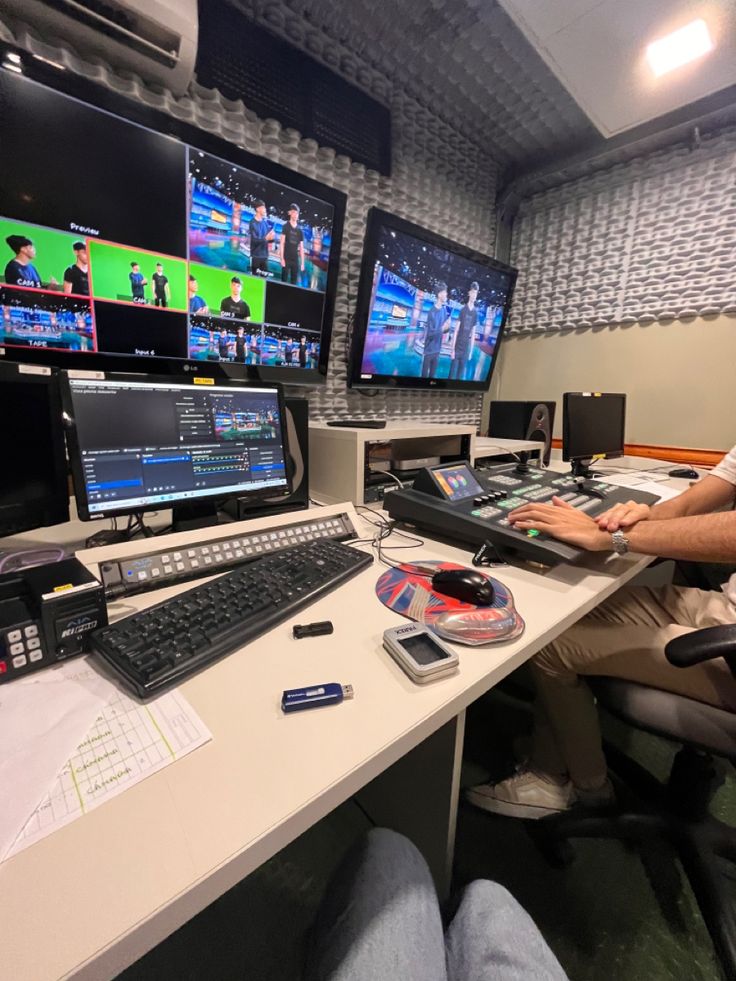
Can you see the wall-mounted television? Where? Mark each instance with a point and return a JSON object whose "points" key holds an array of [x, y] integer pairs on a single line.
{"points": [[430, 312], [132, 241]]}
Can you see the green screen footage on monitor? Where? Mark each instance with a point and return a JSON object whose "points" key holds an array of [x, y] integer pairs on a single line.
{"points": [[128, 237]]}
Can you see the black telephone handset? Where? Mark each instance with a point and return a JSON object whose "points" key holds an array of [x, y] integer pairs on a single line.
{"points": [[46, 614]]}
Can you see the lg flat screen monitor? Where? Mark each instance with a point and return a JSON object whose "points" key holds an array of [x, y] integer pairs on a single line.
{"points": [[430, 312], [34, 490], [140, 444], [593, 425], [131, 241]]}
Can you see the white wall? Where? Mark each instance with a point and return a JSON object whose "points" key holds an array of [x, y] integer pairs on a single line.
{"points": [[679, 376]]}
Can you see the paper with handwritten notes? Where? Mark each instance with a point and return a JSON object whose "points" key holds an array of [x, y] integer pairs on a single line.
{"points": [[127, 743]]}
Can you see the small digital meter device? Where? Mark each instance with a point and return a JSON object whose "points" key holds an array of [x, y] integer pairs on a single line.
{"points": [[420, 653]]}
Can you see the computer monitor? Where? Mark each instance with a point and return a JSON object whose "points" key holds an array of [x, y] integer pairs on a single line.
{"points": [[593, 425], [139, 444], [132, 241], [430, 312], [34, 491]]}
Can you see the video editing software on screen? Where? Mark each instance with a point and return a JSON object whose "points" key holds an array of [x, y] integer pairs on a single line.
{"points": [[433, 314], [142, 443], [118, 240]]}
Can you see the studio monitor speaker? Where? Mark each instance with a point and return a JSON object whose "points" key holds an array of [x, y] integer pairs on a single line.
{"points": [[297, 435], [524, 420]]}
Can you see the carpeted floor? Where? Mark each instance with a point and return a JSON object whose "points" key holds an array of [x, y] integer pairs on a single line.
{"points": [[600, 915]]}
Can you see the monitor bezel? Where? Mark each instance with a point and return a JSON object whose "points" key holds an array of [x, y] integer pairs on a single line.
{"points": [[56, 505], [376, 219], [77, 87], [608, 455], [75, 455]]}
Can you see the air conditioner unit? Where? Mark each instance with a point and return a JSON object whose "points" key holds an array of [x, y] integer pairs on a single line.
{"points": [[156, 39]]}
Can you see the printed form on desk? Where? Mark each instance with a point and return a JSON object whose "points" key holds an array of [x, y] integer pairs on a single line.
{"points": [[116, 741]]}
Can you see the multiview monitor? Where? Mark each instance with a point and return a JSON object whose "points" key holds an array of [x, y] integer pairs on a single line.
{"points": [[430, 312], [132, 241], [141, 444]]}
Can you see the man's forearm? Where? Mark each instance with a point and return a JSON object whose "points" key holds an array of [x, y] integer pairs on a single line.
{"points": [[710, 494], [700, 538]]}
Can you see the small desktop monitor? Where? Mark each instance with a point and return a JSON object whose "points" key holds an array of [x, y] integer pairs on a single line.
{"points": [[593, 425], [133, 241], [140, 444], [430, 312], [34, 490]]}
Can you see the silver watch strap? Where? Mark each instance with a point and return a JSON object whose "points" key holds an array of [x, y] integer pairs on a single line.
{"points": [[620, 542]]}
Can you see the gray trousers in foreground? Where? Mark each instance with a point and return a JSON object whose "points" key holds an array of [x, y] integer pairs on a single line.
{"points": [[380, 921]]}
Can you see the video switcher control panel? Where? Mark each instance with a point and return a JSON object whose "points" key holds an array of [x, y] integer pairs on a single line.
{"points": [[458, 503]]}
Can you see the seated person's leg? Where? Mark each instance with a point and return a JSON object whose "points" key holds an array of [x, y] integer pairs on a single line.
{"points": [[625, 637], [380, 918], [492, 937]]}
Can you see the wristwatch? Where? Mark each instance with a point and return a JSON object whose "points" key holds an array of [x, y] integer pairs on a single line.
{"points": [[620, 542]]}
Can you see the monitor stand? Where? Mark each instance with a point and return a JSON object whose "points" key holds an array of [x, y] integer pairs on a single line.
{"points": [[186, 517], [581, 467]]}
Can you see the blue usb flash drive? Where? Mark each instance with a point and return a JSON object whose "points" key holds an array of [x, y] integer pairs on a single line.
{"points": [[304, 698]]}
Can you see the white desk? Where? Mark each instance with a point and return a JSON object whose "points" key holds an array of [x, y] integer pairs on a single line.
{"points": [[93, 897]]}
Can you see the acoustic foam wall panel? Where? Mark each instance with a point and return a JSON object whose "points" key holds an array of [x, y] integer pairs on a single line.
{"points": [[653, 239]]}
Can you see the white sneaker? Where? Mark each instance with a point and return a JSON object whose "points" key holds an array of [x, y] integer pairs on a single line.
{"points": [[529, 795], [525, 795]]}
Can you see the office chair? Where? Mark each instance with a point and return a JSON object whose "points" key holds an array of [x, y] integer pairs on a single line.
{"points": [[677, 811]]}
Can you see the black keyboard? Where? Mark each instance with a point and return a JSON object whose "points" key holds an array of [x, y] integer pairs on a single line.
{"points": [[165, 644]]}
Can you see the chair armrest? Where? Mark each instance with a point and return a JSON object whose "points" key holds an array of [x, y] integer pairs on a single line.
{"points": [[703, 645]]}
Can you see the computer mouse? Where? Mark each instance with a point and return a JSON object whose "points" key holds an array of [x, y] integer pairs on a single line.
{"points": [[687, 473], [467, 585]]}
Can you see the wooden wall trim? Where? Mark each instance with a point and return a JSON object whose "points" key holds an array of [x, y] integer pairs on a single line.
{"points": [[677, 454]]}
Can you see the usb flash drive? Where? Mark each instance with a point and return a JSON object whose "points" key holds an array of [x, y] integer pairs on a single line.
{"points": [[313, 629], [303, 698]]}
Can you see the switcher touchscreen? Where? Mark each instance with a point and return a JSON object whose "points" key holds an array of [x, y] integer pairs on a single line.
{"points": [[456, 482]]}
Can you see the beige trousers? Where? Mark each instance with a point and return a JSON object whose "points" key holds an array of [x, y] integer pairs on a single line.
{"points": [[624, 637]]}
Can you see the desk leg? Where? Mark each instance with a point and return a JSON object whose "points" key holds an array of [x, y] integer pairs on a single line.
{"points": [[418, 796]]}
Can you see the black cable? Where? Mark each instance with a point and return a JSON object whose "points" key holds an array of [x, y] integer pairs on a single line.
{"points": [[369, 393], [363, 811], [351, 309], [385, 529]]}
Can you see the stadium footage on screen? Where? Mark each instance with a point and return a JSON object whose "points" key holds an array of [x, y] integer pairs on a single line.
{"points": [[248, 224], [244, 425], [433, 313], [29, 318]]}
